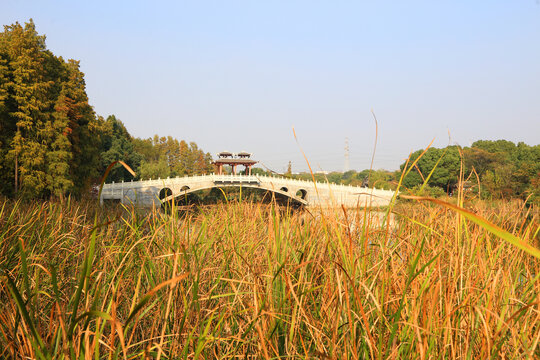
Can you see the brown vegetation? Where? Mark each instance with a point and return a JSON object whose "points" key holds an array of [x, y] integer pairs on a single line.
{"points": [[247, 280]]}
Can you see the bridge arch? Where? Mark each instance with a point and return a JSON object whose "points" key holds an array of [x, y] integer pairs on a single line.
{"points": [[302, 194], [282, 193], [165, 193]]}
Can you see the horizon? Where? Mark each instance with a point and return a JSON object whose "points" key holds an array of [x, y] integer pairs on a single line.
{"points": [[240, 76]]}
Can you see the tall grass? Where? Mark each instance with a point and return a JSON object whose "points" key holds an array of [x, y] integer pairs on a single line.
{"points": [[246, 280]]}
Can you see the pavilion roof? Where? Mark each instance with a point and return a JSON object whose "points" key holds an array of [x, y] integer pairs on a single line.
{"points": [[243, 154], [225, 153], [230, 161]]}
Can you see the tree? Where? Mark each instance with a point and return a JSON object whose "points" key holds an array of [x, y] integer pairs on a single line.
{"points": [[28, 91], [445, 172], [289, 169], [52, 143], [117, 145], [81, 128], [481, 160], [46, 123], [179, 157], [505, 169], [7, 123], [154, 170]]}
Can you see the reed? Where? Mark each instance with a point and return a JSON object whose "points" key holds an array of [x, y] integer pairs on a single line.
{"points": [[249, 280]]}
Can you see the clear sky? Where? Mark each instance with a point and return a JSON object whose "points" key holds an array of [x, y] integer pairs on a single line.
{"points": [[239, 75]]}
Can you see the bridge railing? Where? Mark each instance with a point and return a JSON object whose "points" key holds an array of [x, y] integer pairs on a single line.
{"points": [[185, 180]]}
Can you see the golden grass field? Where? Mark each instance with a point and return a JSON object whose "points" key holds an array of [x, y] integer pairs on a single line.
{"points": [[243, 280]]}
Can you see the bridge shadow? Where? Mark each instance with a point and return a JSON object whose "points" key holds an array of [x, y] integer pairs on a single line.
{"points": [[219, 195]]}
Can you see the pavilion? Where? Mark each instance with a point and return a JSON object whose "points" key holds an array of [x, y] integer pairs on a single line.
{"points": [[233, 160]]}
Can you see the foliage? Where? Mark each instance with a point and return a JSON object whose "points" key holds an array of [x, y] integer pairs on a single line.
{"points": [[431, 191], [155, 170], [249, 280], [513, 172], [166, 156], [117, 145], [501, 168], [52, 143], [445, 172], [381, 179], [44, 117]]}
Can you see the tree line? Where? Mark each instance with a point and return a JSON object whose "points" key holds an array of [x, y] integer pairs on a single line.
{"points": [[51, 141], [493, 169]]}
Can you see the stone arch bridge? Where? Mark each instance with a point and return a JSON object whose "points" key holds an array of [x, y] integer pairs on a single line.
{"points": [[153, 193]]}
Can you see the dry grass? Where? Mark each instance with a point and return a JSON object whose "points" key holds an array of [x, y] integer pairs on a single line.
{"points": [[242, 280]]}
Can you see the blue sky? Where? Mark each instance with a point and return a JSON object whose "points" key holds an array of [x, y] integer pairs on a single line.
{"points": [[239, 75]]}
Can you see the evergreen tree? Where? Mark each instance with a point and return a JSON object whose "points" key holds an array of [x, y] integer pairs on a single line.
{"points": [[117, 145]]}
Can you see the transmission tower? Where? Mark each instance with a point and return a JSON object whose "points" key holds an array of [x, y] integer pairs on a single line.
{"points": [[347, 165]]}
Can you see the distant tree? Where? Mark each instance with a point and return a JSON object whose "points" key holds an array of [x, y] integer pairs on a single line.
{"points": [[145, 147], [179, 157], [500, 147], [82, 130], [481, 160], [154, 170], [334, 177], [117, 145], [445, 174], [349, 175], [505, 169], [259, 171]]}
